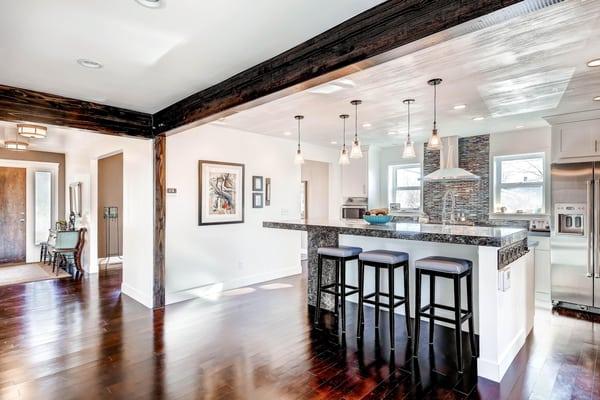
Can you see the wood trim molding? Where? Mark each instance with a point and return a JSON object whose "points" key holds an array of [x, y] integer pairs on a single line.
{"points": [[338, 51], [160, 199], [23, 105]]}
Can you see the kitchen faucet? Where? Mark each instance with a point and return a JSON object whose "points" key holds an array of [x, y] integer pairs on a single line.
{"points": [[450, 193]]}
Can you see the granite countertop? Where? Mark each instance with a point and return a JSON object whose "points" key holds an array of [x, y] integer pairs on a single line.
{"points": [[494, 236]]}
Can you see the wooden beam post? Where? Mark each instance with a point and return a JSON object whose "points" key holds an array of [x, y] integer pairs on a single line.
{"points": [[160, 197]]}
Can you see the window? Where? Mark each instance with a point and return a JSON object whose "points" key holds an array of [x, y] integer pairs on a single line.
{"points": [[519, 184], [405, 186]]}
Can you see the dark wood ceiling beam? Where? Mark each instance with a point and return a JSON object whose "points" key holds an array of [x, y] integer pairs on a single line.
{"points": [[23, 105], [381, 29]]}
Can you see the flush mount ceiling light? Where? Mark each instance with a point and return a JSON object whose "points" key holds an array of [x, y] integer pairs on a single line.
{"points": [[409, 149], [299, 159], [32, 131], [460, 106], [594, 63], [149, 3], [434, 142], [18, 144], [89, 63], [478, 118], [344, 159], [597, 98], [356, 151]]}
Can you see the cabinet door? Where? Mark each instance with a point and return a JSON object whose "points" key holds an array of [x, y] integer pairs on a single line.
{"points": [[578, 139], [355, 177], [542, 271]]}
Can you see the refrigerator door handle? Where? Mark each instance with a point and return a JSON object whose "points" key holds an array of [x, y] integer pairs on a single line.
{"points": [[590, 227], [596, 224]]}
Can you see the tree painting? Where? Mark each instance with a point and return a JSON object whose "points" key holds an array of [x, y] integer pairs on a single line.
{"points": [[222, 193]]}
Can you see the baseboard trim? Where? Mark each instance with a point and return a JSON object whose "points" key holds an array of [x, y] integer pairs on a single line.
{"points": [[136, 295], [495, 371]]}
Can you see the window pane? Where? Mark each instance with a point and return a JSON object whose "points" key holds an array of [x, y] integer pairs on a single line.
{"points": [[524, 170], [408, 177], [528, 200], [409, 199]]}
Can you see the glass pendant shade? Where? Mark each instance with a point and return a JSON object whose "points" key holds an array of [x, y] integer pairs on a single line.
{"points": [[344, 159], [32, 131], [409, 150], [298, 160], [434, 142], [356, 151]]}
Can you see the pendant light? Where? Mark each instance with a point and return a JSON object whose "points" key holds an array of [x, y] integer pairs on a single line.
{"points": [[356, 151], [298, 160], [409, 148], [344, 160], [18, 144], [434, 142]]}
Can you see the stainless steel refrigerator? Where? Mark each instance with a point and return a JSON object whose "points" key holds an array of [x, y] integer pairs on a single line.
{"points": [[575, 236]]}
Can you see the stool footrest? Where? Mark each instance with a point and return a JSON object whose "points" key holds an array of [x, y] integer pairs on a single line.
{"points": [[367, 299], [336, 292], [465, 314]]}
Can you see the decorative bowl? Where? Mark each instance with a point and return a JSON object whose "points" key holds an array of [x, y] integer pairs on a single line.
{"points": [[377, 219]]}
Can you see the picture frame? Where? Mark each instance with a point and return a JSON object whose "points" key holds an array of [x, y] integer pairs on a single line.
{"points": [[257, 200], [220, 192], [267, 192], [257, 183]]}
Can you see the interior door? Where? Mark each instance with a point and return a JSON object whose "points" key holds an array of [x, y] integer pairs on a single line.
{"points": [[12, 215]]}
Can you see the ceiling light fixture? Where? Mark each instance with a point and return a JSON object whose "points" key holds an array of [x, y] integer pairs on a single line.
{"points": [[392, 133], [594, 63], [32, 131], [333, 142], [287, 133], [89, 63], [597, 98], [520, 126], [299, 159], [460, 106], [149, 3], [434, 142], [19, 144], [409, 149], [356, 151], [344, 159], [366, 125], [478, 118]]}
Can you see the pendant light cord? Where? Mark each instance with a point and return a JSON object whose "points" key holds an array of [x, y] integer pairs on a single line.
{"points": [[344, 134], [434, 106], [408, 105], [298, 133], [356, 122]]}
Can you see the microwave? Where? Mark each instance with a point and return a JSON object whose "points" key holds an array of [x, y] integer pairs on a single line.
{"points": [[354, 208]]}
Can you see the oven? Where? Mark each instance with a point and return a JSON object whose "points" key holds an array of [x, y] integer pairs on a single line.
{"points": [[354, 208]]}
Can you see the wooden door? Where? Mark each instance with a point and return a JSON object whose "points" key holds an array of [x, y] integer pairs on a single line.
{"points": [[12, 215]]}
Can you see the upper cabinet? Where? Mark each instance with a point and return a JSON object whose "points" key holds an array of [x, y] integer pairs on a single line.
{"points": [[575, 137], [355, 177]]}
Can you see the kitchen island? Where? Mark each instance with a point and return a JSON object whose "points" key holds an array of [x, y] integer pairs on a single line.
{"points": [[503, 274]]}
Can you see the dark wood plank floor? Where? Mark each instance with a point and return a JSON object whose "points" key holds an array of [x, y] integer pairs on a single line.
{"points": [[70, 339]]}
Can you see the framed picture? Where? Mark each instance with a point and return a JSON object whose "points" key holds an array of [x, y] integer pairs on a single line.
{"points": [[267, 191], [221, 193], [257, 200], [257, 183]]}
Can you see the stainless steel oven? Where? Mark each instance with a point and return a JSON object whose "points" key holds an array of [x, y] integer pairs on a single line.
{"points": [[354, 208]]}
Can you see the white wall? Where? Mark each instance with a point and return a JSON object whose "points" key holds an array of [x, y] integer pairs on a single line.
{"points": [[203, 260], [81, 165], [32, 251]]}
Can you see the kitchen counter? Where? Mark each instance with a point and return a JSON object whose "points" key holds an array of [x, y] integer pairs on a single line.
{"points": [[503, 317], [494, 236]]}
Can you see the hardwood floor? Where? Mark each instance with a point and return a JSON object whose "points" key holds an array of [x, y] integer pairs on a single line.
{"points": [[70, 339]]}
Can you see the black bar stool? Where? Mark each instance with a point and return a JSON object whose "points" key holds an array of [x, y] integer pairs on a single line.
{"points": [[390, 260], [455, 269], [340, 255]]}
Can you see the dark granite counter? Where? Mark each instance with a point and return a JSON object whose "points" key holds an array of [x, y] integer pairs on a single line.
{"points": [[494, 236]]}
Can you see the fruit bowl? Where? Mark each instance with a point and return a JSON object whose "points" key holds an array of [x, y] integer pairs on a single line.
{"points": [[377, 219]]}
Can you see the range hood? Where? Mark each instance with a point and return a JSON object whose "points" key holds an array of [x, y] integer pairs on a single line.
{"points": [[449, 170]]}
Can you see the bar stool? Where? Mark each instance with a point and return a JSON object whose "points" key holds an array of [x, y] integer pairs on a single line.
{"points": [[455, 269], [340, 255], [390, 260]]}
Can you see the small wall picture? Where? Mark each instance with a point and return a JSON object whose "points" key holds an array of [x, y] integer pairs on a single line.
{"points": [[221, 193], [267, 191], [257, 183], [257, 200]]}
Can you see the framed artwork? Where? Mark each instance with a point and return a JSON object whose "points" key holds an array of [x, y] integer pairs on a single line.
{"points": [[257, 200], [221, 193], [267, 191], [257, 183]]}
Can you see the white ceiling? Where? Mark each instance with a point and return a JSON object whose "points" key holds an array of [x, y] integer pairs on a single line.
{"points": [[512, 74], [152, 57]]}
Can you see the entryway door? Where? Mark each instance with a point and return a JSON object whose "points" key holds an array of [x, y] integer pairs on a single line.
{"points": [[12, 215]]}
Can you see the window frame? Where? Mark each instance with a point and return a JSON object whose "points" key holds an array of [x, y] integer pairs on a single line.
{"points": [[497, 186], [392, 188]]}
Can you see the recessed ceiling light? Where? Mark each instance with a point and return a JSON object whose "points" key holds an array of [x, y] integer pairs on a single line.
{"points": [[392, 133], [287, 133], [366, 125], [594, 63], [89, 63], [333, 142], [149, 3], [597, 98], [478, 118], [460, 106], [520, 126], [327, 88], [346, 82]]}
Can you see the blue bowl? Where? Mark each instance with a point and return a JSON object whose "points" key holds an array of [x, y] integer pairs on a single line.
{"points": [[377, 219]]}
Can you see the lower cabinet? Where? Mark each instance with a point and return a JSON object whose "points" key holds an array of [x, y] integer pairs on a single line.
{"points": [[542, 267]]}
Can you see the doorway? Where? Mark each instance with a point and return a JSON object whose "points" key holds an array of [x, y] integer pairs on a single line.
{"points": [[315, 181], [110, 211], [13, 242]]}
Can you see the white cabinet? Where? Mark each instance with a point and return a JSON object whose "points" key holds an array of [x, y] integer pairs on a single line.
{"points": [[542, 267], [575, 137], [355, 177]]}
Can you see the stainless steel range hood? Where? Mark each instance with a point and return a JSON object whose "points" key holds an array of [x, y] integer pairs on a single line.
{"points": [[449, 170]]}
